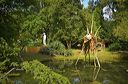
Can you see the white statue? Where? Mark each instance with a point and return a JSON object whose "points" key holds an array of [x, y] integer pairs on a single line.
{"points": [[44, 39]]}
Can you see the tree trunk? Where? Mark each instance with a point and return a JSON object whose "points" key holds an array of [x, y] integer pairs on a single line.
{"points": [[68, 44]]}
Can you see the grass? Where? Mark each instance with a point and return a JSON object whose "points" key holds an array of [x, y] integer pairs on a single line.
{"points": [[104, 56], [108, 56]]}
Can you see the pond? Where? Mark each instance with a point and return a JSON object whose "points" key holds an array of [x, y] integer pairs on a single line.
{"points": [[109, 73]]}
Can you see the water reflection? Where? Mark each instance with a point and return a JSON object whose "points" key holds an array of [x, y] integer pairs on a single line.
{"points": [[94, 75], [76, 80], [106, 81], [110, 73], [18, 82]]}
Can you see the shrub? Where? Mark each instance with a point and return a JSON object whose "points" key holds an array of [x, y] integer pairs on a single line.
{"points": [[114, 46], [68, 52], [57, 45], [8, 53], [46, 51], [56, 48]]}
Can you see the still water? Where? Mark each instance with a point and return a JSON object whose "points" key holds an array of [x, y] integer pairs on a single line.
{"points": [[109, 73]]}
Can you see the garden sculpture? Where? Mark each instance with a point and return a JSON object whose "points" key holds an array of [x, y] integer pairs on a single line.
{"points": [[90, 45], [44, 39]]}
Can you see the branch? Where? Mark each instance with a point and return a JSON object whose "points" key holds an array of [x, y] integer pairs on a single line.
{"points": [[7, 73]]}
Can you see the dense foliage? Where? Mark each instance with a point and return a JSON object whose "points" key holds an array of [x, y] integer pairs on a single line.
{"points": [[43, 73], [56, 48]]}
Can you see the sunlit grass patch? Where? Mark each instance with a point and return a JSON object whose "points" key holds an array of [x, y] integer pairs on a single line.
{"points": [[107, 56], [103, 55]]}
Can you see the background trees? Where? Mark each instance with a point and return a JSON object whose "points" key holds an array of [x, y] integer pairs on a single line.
{"points": [[114, 31]]}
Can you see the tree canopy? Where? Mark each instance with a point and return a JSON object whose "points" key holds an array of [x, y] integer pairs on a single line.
{"points": [[23, 22]]}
